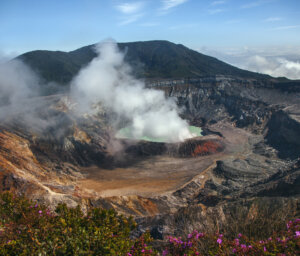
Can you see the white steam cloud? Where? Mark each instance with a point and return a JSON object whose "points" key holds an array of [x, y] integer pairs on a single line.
{"points": [[17, 81], [20, 104], [107, 79]]}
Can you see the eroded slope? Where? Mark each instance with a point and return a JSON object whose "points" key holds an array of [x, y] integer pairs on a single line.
{"points": [[78, 160]]}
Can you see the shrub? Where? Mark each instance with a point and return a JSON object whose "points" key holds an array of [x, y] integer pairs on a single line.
{"points": [[27, 228], [31, 229], [285, 243]]}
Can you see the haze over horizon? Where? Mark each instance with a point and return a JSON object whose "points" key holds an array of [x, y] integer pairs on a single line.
{"points": [[258, 35]]}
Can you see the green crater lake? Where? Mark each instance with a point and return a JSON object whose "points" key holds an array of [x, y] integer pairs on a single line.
{"points": [[125, 133]]}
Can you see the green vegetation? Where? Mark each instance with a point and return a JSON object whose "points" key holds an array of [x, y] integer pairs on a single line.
{"points": [[27, 228], [31, 229], [125, 133], [285, 243], [151, 59]]}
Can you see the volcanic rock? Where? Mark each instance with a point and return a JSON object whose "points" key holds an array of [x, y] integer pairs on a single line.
{"points": [[247, 160]]}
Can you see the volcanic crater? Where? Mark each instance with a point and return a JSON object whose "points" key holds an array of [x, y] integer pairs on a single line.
{"points": [[148, 168], [249, 156]]}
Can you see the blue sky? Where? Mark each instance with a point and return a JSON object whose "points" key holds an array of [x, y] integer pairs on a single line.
{"points": [[218, 27]]}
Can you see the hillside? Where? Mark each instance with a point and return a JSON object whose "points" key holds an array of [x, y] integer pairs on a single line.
{"points": [[104, 232], [151, 59]]}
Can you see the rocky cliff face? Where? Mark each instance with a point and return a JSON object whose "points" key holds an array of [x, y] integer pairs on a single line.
{"points": [[261, 126], [253, 125], [262, 107]]}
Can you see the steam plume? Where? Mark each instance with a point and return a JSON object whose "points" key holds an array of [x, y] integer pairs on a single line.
{"points": [[20, 104], [17, 82], [107, 79]]}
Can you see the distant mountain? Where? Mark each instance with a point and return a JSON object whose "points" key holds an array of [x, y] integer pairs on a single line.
{"points": [[150, 59]]}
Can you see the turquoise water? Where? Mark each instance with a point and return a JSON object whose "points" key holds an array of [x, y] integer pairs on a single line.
{"points": [[125, 133]]}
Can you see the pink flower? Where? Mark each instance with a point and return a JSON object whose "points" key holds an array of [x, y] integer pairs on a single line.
{"points": [[265, 249], [129, 254], [297, 233], [40, 212], [234, 250], [165, 253], [219, 240], [240, 235], [237, 241], [199, 235], [190, 236], [243, 246]]}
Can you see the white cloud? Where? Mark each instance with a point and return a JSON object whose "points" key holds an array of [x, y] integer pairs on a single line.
{"points": [[251, 5], [215, 11], [130, 19], [275, 61], [132, 12], [274, 66], [286, 27], [256, 4], [272, 19], [130, 8], [168, 4], [218, 2]]}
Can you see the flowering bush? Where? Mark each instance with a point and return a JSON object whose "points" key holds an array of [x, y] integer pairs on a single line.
{"points": [[27, 228], [140, 248], [285, 243]]}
